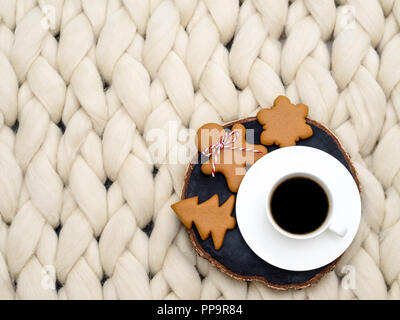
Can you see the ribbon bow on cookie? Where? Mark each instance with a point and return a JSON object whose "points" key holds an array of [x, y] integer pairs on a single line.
{"points": [[228, 152]]}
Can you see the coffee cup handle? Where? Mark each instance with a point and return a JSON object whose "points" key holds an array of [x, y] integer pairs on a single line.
{"points": [[340, 230]]}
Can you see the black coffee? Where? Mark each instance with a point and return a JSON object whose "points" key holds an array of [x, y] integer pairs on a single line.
{"points": [[299, 205]]}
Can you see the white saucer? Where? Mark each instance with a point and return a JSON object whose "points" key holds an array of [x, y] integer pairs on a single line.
{"points": [[272, 246]]}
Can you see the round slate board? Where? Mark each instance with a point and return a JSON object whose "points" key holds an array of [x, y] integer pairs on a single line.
{"points": [[235, 258]]}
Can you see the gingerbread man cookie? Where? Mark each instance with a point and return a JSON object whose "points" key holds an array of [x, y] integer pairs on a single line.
{"points": [[208, 217], [228, 152], [284, 124]]}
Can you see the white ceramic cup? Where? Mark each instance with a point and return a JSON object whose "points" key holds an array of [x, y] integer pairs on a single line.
{"points": [[329, 223]]}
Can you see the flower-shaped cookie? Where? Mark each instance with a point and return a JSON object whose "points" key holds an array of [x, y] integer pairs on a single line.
{"points": [[284, 124]]}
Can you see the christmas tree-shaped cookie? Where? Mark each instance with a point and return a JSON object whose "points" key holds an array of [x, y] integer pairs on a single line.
{"points": [[208, 217]]}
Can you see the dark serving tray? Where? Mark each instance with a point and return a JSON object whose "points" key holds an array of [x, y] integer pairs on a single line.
{"points": [[235, 258]]}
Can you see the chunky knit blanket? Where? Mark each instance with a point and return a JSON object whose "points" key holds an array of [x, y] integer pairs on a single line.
{"points": [[86, 86]]}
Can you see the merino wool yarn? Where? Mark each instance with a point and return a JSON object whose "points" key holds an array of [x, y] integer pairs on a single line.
{"points": [[84, 85]]}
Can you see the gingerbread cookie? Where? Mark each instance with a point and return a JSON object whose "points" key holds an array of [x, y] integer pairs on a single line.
{"points": [[228, 152], [284, 124], [208, 217]]}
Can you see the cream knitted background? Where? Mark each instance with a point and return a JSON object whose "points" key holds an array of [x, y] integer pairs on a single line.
{"points": [[83, 81]]}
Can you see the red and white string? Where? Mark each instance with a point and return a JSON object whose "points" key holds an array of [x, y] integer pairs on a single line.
{"points": [[226, 141]]}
